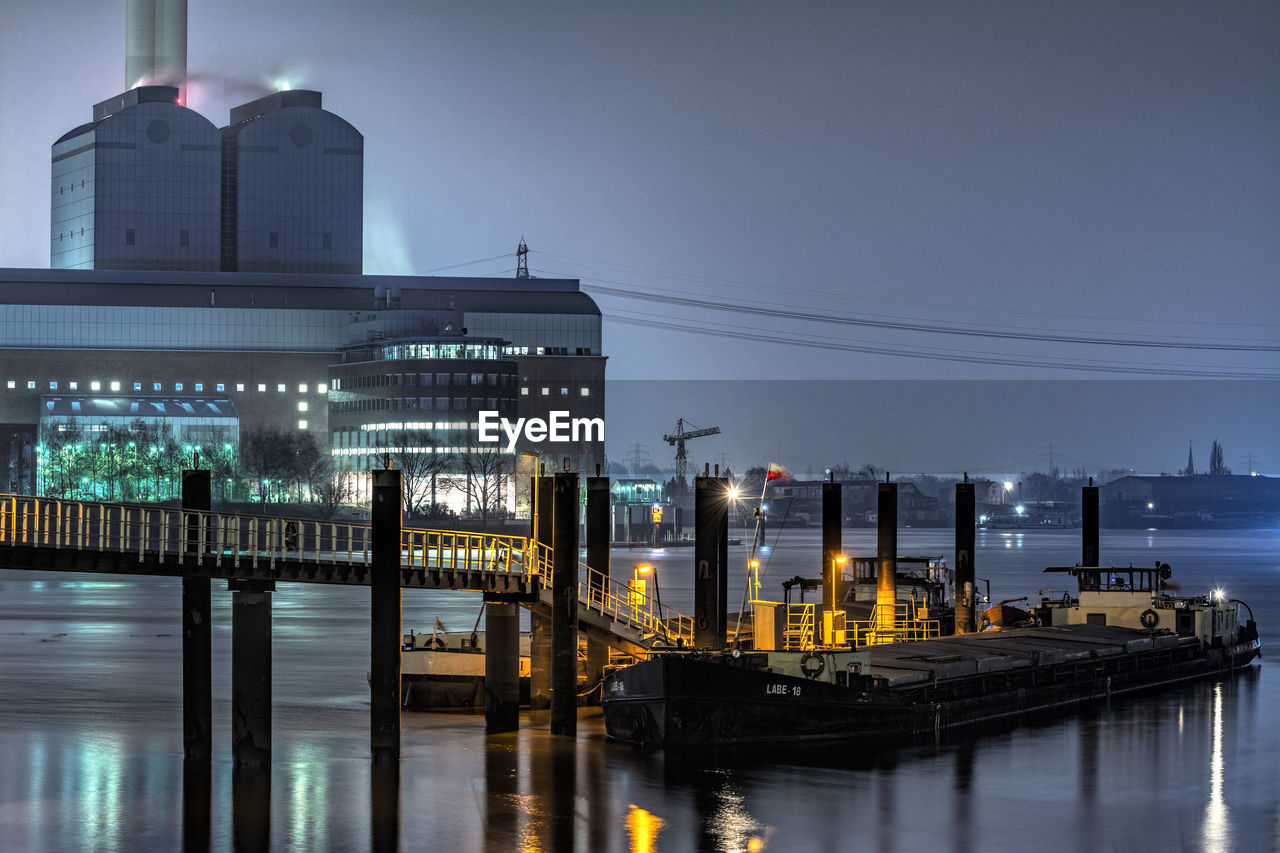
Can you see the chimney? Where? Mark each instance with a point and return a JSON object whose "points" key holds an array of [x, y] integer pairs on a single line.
{"points": [[155, 38]]}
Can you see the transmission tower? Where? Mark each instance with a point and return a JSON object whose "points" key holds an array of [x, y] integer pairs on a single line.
{"points": [[522, 259]]}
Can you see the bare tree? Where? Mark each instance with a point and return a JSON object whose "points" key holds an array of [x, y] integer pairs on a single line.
{"points": [[331, 487], [1216, 465], [485, 469], [414, 452]]}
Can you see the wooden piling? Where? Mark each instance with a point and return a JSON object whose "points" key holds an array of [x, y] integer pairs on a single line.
{"points": [[564, 608], [966, 535], [197, 635], [711, 561]]}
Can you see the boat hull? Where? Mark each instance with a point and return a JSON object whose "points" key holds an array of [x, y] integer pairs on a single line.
{"points": [[683, 700]]}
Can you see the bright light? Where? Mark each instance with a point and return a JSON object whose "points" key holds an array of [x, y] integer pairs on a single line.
{"points": [[842, 559], [1008, 485], [1019, 509], [733, 493], [755, 564], [644, 568], [764, 507], [1220, 594], [1151, 506], [982, 519]]}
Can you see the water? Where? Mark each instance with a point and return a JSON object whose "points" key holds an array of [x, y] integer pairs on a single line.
{"points": [[91, 740]]}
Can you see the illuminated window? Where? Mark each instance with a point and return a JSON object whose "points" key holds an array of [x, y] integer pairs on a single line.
{"points": [[262, 387], [302, 389], [11, 384], [115, 385], [220, 387], [73, 385], [199, 386], [302, 424], [322, 388], [545, 391], [95, 385], [564, 392], [137, 386], [302, 405], [156, 386], [524, 392], [240, 386], [31, 385], [53, 385], [177, 386], [280, 388], [585, 391]]}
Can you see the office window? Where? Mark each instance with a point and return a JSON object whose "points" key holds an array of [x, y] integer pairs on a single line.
{"points": [[302, 389], [524, 392], [95, 385], [73, 385], [156, 386], [220, 387], [53, 385], [199, 386], [564, 392], [31, 385], [137, 386], [328, 240], [184, 237], [545, 391], [177, 386], [262, 386], [302, 424], [128, 236], [115, 385], [280, 388], [302, 405], [585, 391], [323, 389], [273, 240], [240, 387], [11, 384]]}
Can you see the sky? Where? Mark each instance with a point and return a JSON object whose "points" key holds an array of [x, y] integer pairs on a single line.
{"points": [[802, 191]]}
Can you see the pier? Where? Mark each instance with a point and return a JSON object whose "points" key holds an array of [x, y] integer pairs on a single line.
{"points": [[254, 553]]}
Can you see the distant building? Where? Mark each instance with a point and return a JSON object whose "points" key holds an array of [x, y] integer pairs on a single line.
{"points": [[1200, 500]]}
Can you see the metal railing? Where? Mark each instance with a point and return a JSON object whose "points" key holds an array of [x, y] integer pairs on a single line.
{"points": [[895, 623], [637, 610], [797, 634], [232, 541]]}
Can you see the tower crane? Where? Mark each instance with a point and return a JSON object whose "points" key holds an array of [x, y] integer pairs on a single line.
{"points": [[679, 437]]}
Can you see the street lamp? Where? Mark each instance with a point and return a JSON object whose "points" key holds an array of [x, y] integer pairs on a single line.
{"points": [[644, 569]]}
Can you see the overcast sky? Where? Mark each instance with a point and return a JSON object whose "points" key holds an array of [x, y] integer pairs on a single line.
{"points": [[1006, 170]]}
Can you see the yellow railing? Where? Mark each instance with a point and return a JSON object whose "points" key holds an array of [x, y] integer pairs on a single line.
{"points": [[892, 624], [638, 610], [247, 541], [797, 635]]}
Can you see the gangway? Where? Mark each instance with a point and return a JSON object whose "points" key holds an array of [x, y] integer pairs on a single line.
{"points": [[47, 534]]}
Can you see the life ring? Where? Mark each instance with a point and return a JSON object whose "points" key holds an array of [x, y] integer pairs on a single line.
{"points": [[812, 665], [1150, 618]]}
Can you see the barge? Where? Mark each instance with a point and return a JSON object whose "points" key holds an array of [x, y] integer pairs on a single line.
{"points": [[1101, 643]]}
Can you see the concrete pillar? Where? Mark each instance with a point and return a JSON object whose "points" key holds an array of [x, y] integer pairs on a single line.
{"points": [[564, 608], [1089, 525], [598, 536], [711, 561], [886, 554], [832, 515], [540, 622], [966, 533], [384, 633], [501, 666], [197, 643], [251, 672]]}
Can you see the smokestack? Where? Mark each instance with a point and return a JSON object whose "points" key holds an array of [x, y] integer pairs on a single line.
{"points": [[155, 44]]}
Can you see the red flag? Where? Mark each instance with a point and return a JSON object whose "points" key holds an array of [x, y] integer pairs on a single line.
{"points": [[776, 472]]}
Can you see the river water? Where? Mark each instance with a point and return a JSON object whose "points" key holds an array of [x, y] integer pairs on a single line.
{"points": [[91, 736]]}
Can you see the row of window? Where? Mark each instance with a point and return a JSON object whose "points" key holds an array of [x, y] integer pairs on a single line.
{"points": [[514, 350], [157, 387], [422, 404], [383, 380], [545, 391]]}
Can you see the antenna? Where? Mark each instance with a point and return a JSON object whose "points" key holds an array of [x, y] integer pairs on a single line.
{"points": [[522, 259]]}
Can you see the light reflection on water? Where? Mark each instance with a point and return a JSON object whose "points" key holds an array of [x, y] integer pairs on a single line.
{"points": [[90, 742]]}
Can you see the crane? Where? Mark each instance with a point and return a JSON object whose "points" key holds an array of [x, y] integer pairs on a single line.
{"points": [[679, 437]]}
